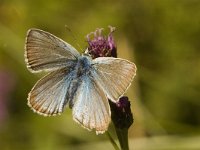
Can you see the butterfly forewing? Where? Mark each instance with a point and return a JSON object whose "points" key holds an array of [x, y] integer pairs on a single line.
{"points": [[114, 75], [91, 108], [48, 96], [44, 51]]}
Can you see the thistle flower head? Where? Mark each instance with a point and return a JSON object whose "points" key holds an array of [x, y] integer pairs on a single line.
{"points": [[101, 45]]}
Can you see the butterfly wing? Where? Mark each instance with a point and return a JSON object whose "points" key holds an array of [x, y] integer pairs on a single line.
{"points": [[91, 108], [114, 75], [48, 96], [44, 51]]}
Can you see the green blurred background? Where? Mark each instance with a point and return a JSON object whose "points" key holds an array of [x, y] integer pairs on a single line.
{"points": [[162, 37]]}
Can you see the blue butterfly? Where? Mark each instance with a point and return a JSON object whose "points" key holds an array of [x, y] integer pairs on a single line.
{"points": [[85, 84]]}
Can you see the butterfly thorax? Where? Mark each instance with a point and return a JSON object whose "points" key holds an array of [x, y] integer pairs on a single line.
{"points": [[83, 66]]}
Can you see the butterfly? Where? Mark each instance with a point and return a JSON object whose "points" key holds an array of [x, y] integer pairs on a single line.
{"points": [[74, 79]]}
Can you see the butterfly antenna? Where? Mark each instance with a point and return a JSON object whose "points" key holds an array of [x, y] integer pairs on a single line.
{"points": [[74, 36]]}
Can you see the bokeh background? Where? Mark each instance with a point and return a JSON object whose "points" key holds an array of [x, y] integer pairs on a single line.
{"points": [[161, 37]]}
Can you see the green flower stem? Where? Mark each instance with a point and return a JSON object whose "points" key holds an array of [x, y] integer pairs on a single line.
{"points": [[122, 135], [113, 141]]}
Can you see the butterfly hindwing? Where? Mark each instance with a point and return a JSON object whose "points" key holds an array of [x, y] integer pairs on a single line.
{"points": [[48, 96], [91, 108]]}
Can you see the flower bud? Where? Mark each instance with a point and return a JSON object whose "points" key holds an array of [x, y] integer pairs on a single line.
{"points": [[121, 113]]}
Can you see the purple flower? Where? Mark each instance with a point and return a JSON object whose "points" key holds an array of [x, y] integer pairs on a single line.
{"points": [[101, 45], [121, 113]]}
